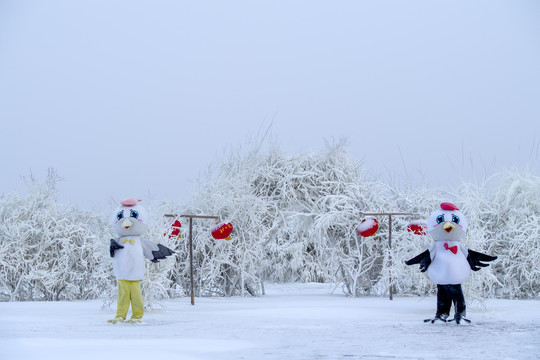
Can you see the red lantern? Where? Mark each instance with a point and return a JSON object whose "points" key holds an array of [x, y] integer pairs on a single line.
{"points": [[418, 227], [222, 231], [367, 227], [175, 230]]}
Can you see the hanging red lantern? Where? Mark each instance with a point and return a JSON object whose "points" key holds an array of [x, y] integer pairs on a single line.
{"points": [[417, 227], [175, 232], [367, 227], [222, 231]]}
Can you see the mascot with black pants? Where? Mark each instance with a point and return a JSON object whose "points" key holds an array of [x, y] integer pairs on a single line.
{"points": [[448, 262]]}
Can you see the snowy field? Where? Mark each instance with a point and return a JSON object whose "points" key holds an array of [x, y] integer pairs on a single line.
{"points": [[293, 322]]}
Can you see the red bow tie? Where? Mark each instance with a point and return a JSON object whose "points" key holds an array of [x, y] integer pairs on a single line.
{"points": [[451, 248]]}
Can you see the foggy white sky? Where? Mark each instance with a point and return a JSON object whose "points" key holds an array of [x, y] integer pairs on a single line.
{"points": [[124, 98]]}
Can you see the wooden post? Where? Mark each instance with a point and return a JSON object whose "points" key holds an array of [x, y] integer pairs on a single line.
{"points": [[389, 238], [390, 253], [191, 260], [191, 217]]}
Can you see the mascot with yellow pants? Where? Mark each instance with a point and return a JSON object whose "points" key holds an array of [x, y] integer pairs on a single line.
{"points": [[128, 252]]}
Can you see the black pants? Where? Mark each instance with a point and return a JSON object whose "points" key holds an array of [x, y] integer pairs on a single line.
{"points": [[448, 294]]}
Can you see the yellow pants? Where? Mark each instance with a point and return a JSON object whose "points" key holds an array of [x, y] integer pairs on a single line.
{"points": [[129, 292]]}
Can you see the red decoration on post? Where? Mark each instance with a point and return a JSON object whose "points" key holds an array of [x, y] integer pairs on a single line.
{"points": [[222, 231], [367, 227], [418, 227], [176, 225]]}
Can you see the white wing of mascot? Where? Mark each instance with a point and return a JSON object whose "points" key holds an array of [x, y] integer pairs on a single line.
{"points": [[448, 262], [128, 251]]}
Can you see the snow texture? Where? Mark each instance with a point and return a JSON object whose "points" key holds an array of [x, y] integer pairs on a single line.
{"points": [[217, 226], [293, 322]]}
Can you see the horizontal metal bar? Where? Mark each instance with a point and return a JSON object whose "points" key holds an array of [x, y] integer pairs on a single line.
{"points": [[375, 214], [192, 216]]}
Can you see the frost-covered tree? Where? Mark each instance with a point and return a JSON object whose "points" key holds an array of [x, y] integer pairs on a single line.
{"points": [[294, 220], [227, 267], [513, 233], [48, 251]]}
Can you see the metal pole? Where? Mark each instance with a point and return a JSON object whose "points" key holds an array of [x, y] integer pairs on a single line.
{"points": [[389, 238], [192, 216], [191, 246], [191, 259], [389, 251]]}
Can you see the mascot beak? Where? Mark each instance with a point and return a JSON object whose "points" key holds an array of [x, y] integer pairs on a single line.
{"points": [[447, 227], [127, 224]]}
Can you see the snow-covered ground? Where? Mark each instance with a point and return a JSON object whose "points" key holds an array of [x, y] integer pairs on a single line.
{"points": [[293, 322]]}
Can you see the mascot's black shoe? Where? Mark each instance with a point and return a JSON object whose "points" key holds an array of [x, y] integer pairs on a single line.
{"points": [[438, 317], [460, 316]]}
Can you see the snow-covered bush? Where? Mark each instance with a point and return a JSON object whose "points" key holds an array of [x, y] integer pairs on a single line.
{"points": [[225, 267], [294, 220], [514, 235], [50, 252], [295, 217]]}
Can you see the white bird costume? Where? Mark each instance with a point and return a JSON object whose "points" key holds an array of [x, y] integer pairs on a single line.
{"points": [[448, 262], [128, 252]]}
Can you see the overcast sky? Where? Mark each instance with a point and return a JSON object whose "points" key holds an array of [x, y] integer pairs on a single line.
{"points": [[125, 98]]}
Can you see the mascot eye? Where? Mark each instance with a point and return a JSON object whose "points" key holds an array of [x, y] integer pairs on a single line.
{"points": [[440, 219], [455, 219], [120, 215], [134, 214]]}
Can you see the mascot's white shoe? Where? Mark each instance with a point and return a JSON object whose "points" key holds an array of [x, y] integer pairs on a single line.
{"points": [[121, 320], [116, 320]]}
